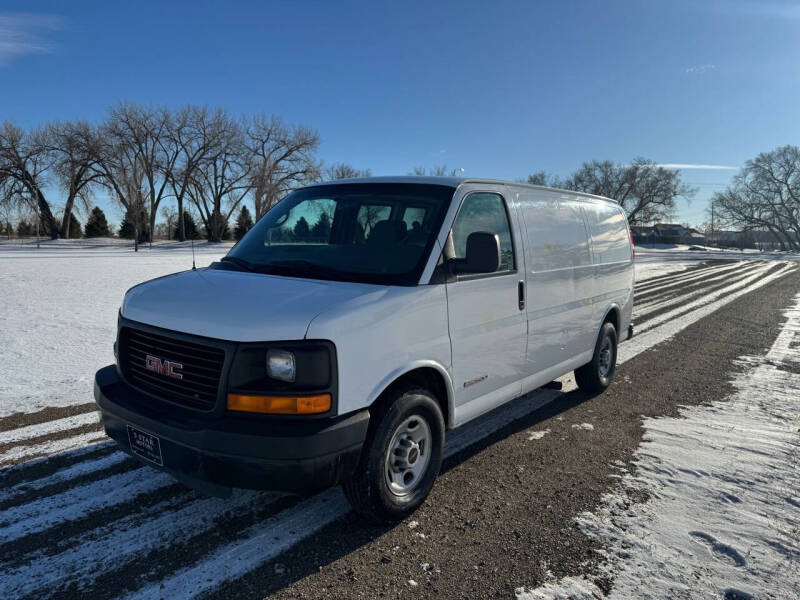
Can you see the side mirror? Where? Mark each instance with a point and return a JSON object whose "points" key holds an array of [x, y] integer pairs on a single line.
{"points": [[483, 254]]}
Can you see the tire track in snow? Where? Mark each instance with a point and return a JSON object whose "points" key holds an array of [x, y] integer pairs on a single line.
{"points": [[645, 309], [656, 296], [48, 427], [71, 476], [748, 284], [94, 551], [28, 452], [669, 282], [111, 545]]}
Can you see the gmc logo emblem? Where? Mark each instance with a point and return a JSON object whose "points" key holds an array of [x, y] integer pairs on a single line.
{"points": [[163, 367]]}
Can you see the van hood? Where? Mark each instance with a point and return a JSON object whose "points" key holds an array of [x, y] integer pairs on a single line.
{"points": [[237, 306]]}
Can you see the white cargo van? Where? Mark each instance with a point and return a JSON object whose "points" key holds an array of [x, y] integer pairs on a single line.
{"points": [[356, 323]]}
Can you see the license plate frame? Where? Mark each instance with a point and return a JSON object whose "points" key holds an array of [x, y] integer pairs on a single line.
{"points": [[145, 445]]}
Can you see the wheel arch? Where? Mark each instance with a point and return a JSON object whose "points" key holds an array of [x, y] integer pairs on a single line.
{"points": [[425, 373], [613, 315]]}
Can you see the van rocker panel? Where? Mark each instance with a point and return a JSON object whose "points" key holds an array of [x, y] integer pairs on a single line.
{"points": [[233, 451]]}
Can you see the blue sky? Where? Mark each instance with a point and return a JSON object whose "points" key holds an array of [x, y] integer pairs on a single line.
{"points": [[500, 89]]}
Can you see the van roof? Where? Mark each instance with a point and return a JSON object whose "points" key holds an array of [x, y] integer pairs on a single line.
{"points": [[454, 182]]}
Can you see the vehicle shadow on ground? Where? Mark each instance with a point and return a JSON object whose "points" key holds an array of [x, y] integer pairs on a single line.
{"points": [[351, 532]]}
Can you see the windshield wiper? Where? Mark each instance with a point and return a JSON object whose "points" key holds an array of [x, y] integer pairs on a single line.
{"points": [[239, 262]]}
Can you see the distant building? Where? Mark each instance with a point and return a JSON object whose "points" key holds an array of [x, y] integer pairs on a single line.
{"points": [[666, 233]]}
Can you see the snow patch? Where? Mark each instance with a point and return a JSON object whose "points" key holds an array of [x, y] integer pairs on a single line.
{"points": [[584, 427], [569, 588], [537, 435]]}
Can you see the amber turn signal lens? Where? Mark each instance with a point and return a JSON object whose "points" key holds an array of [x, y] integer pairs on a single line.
{"points": [[280, 405]]}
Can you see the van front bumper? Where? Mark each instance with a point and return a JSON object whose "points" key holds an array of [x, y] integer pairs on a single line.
{"points": [[234, 451]]}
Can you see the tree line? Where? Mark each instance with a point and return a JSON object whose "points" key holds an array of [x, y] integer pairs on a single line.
{"points": [[141, 156], [209, 161]]}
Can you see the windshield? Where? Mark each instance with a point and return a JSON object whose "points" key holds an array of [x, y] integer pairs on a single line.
{"points": [[365, 232]]}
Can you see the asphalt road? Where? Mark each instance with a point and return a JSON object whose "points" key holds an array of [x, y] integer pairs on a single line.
{"points": [[94, 523]]}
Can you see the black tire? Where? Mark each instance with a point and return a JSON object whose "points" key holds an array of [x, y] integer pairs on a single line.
{"points": [[593, 377], [368, 491]]}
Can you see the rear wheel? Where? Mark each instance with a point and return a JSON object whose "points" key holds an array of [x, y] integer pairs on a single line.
{"points": [[595, 376], [401, 457]]}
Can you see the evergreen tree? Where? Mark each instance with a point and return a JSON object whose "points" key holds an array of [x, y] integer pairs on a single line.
{"points": [[25, 229], [189, 226], [321, 232], [243, 223], [75, 230], [127, 228], [96, 224], [301, 230]]}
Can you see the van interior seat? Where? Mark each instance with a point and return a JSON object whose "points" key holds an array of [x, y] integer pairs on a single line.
{"points": [[387, 233]]}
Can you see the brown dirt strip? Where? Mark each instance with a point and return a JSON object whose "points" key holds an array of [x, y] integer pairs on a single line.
{"points": [[44, 466], [51, 413], [49, 437]]}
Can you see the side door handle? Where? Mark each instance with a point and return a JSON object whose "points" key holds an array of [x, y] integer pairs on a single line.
{"points": [[521, 294]]}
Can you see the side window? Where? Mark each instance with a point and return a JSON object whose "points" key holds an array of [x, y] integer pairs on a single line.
{"points": [[484, 212]]}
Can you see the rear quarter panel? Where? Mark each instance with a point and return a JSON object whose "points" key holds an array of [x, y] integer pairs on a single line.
{"points": [[612, 255]]}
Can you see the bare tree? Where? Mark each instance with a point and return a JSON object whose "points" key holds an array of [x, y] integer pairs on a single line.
{"points": [[645, 190], [144, 131], [72, 148], [24, 162], [222, 180], [170, 215], [543, 178], [439, 171], [281, 157], [116, 162], [344, 171], [193, 134], [765, 195]]}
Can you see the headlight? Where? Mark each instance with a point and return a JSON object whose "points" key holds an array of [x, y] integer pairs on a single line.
{"points": [[281, 365]]}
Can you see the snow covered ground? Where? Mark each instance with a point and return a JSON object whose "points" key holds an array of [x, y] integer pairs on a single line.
{"points": [[723, 515], [58, 312]]}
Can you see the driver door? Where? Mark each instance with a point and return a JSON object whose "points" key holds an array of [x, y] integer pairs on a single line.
{"points": [[487, 323]]}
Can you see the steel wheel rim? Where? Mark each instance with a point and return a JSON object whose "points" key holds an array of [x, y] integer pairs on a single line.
{"points": [[408, 455], [605, 357]]}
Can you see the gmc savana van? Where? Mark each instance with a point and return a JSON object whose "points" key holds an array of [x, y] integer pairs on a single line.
{"points": [[358, 321]]}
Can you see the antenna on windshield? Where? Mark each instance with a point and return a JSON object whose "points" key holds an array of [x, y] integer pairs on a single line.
{"points": [[193, 267]]}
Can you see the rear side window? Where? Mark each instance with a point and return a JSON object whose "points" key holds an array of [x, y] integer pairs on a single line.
{"points": [[610, 241], [484, 212]]}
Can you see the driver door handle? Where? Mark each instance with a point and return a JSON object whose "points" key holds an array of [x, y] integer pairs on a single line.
{"points": [[521, 294]]}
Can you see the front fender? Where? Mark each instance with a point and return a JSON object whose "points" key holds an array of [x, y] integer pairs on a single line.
{"points": [[384, 384]]}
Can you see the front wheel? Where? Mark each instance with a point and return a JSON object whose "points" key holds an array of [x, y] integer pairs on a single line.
{"points": [[595, 376], [401, 457]]}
